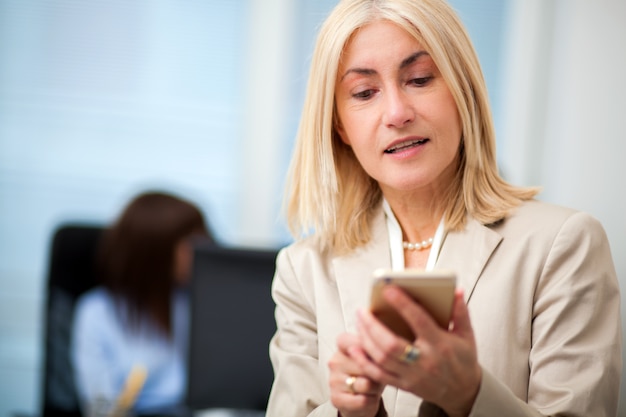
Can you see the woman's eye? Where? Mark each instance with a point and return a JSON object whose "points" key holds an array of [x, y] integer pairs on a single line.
{"points": [[421, 81], [363, 95]]}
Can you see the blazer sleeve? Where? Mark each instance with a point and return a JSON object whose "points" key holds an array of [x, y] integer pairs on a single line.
{"points": [[299, 387], [575, 359]]}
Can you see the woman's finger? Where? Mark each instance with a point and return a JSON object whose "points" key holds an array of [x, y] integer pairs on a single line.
{"points": [[419, 320], [383, 352], [462, 325], [350, 390], [347, 340]]}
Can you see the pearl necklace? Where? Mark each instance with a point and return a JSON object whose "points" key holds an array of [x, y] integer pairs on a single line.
{"points": [[424, 244]]}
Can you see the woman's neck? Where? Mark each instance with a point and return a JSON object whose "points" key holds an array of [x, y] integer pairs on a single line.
{"points": [[418, 217]]}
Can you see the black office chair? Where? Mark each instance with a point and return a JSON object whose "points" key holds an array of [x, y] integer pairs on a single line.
{"points": [[232, 322], [71, 272]]}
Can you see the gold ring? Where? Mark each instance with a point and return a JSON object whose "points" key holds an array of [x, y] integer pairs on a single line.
{"points": [[350, 384], [410, 355]]}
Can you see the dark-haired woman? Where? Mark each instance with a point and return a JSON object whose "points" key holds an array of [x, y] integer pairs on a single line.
{"points": [[139, 316]]}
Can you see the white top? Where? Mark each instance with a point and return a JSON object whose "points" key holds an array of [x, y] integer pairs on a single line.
{"points": [[395, 241]]}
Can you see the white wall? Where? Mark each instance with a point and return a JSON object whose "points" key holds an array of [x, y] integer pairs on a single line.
{"points": [[265, 127], [565, 104]]}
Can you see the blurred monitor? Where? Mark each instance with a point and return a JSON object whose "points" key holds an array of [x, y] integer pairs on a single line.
{"points": [[232, 322]]}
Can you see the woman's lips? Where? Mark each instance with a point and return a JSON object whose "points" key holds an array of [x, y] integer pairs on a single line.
{"points": [[407, 144]]}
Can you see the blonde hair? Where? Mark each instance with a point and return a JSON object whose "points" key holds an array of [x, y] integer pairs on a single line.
{"points": [[328, 191]]}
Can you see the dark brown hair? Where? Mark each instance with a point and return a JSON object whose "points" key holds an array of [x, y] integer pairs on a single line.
{"points": [[136, 256]]}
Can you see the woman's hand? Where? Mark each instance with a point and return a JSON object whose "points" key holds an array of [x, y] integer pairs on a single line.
{"points": [[443, 369], [354, 394]]}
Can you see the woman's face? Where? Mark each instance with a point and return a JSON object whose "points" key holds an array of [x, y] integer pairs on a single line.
{"points": [[396, 111]]}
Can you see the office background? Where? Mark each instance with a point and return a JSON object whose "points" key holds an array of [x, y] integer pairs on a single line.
{"points": [[101, 99]]}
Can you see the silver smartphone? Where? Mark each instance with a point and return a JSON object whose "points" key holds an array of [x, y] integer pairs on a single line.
{"points": [[433, 290]]}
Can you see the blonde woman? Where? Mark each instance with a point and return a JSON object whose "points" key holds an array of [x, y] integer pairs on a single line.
{"points": [[396, 146]]}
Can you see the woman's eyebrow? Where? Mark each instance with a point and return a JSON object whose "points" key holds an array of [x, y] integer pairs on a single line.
{"points": [[368, 71], [411, 59], [360, 71]]}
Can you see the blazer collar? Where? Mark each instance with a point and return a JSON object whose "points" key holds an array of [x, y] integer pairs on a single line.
{"points": [[467, 252]]}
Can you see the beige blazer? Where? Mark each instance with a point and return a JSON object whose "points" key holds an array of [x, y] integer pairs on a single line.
{"points": [[543, 299]]}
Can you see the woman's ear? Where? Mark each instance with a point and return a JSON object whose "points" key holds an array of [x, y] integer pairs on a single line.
{"points": [[341, 131]]}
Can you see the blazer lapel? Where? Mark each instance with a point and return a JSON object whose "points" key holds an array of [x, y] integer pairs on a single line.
{"points": [[467, 252], [353, 272]]}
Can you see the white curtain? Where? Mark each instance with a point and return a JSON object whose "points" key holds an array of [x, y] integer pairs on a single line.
{"points": [[565, 110]]}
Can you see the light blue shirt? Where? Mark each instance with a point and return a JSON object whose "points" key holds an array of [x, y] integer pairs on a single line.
{"points": [[104, 351]]}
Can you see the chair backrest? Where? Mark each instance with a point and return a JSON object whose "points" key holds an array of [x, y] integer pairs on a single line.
{"points": [[71, 272], [232, 322]]}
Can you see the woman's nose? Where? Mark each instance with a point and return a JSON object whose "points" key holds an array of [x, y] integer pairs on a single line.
{"points": [[399, 110]]}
